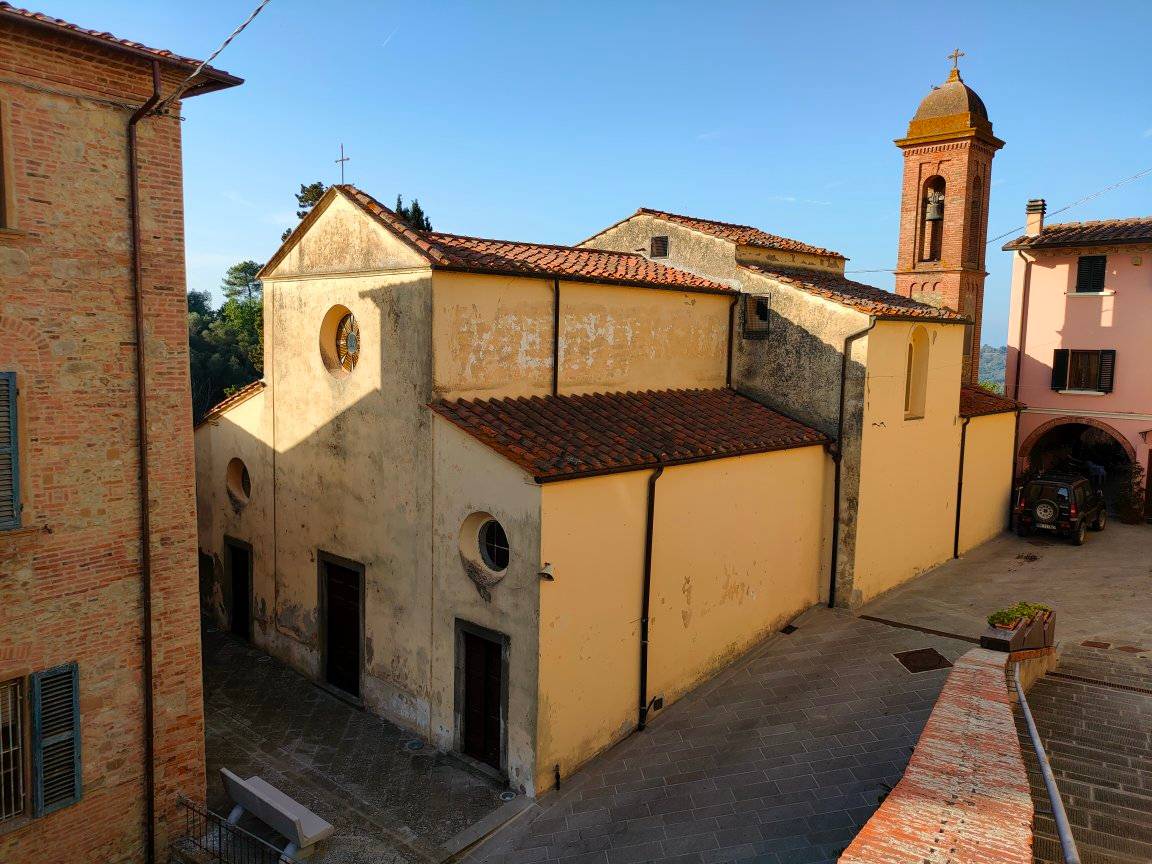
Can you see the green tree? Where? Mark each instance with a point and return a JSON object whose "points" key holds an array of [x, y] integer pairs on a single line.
{"points": [[413, 214], [240, 281], [306, 199]]}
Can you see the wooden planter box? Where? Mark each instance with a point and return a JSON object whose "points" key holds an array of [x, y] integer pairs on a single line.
{"points": [[1023, 634]]}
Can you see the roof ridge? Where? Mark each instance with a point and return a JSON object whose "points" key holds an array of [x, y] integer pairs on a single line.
{"points": [[563, 246], [1088, 222], [652, 211]]}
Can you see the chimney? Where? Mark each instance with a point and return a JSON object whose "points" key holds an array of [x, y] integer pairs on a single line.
{"points": [[1035, 217]]}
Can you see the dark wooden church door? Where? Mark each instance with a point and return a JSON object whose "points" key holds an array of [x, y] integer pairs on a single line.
{"points": [[483, 686], [342, 628]]}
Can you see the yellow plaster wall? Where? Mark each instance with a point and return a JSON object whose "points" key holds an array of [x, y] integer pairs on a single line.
{"points": [[723, 577], [905, 508], [492, 337], [987, 478]]}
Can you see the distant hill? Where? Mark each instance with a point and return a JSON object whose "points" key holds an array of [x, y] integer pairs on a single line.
{"points": [[992, 361]]}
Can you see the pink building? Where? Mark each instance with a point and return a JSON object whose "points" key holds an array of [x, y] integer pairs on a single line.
{"points": [[1079, 346]]}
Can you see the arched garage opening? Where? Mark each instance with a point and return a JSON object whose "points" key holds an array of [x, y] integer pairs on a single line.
{"points": [[1072, 443]]}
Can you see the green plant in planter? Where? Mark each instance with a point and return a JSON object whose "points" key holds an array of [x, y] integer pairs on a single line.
{"points": [[1019, 612], [1130, 500]]}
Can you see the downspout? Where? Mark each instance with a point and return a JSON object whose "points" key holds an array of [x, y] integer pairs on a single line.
{"points": [[960, 487], [555, 337], [731, 339], [838, 456], [1025, 293], [646, 602], [142, 445]]}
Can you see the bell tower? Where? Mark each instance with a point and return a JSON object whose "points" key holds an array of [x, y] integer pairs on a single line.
{"points": [[948, 155]]}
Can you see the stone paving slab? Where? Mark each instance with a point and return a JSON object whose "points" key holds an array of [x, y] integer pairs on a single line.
{"points": [[780, 759], [389, 804]]}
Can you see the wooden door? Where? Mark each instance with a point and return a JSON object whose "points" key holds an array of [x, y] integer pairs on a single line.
{"points": [[240, 565], [483, 689], [342, 628]]}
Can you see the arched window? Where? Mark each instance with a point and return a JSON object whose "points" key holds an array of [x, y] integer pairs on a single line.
{"points": [[916, 379], [976, 221], [932, 216]]}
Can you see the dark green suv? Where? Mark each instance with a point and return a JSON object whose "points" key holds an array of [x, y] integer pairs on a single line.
{"points": [[1066, 504]]}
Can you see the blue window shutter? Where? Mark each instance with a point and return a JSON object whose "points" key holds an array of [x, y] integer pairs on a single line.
{"points": [[55, 738], [9, 455]]}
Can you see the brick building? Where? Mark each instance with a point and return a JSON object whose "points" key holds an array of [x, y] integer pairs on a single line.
{"points": [[101, 716]]}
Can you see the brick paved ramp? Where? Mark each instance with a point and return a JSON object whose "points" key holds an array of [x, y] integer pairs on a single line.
{"points": [[779, 760], [389, 804], [1094, 714]]}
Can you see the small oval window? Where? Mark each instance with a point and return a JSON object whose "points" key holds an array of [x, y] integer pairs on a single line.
{"points": [[239, 482], [494, 545]]}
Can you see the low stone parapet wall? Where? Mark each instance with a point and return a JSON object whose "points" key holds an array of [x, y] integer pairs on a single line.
{"points": [[964, 797]]}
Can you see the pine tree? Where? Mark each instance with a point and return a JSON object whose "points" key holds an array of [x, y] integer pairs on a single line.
{"points": [[240, 281], [413, 214], [306, 199]]}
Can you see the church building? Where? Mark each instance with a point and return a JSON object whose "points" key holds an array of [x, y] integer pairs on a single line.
{"points": [[518, 496]]}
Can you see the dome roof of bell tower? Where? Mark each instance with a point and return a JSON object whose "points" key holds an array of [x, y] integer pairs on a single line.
{"points": [[951, 98]]}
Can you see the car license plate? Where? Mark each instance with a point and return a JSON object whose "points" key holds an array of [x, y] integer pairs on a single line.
{"points": [[1046, 526]]}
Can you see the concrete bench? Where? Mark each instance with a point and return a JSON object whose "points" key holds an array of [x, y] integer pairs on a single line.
{"points": [[287, 817]]}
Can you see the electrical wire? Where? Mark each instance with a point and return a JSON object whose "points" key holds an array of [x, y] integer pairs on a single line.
{"points": [[1063, 209], [179, 91]]}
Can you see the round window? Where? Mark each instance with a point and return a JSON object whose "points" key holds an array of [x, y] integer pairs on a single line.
{"points": [[494, 545], [239, 481], [340, 341]]}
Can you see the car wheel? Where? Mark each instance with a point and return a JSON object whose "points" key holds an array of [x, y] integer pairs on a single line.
{"points": [[1080, 534], [1101, 521]]}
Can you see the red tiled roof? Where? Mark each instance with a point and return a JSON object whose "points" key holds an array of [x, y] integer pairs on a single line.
{"points": [[856, 295], [976, 402], [504, 257], [39, 19], [1103, 232], [562, 437], [242, 395], [745, 235]]}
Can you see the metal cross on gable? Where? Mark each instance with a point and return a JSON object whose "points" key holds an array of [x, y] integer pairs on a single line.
{"points": [[955, 57], [341, 162]]}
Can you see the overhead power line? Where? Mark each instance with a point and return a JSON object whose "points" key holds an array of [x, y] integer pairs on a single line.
{"points": [[179, 91], [1063, 209]]}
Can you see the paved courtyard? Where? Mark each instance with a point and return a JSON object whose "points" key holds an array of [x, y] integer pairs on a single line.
{"points": [[1101, 591], [779, 760], [389, 803]]}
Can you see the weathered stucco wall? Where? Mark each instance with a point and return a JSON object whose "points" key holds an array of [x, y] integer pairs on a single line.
{"points": [[471, 479], [987, 478], [693, 251], [722, 578], [906, 513], [795, 369], [244, 433], [493, 337]]}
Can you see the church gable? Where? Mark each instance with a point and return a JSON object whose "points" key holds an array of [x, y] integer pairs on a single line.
{"points": [[339, 237]]}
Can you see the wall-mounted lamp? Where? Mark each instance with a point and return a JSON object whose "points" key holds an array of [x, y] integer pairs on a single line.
{"points": [[546, 573]]}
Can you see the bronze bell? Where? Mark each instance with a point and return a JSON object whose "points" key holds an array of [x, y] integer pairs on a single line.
{"points": [[934, 211]]}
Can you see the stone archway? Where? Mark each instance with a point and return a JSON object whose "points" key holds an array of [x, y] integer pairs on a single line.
{"points": [[1044, 428]]}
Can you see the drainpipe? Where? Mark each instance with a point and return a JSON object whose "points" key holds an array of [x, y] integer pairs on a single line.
{"points": [[1025, 291], [731, 341], [555, 337], [142, 445], [838, 456], [960, 487], [647, 597]]}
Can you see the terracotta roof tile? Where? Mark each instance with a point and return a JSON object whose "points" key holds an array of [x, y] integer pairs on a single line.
{"points": [[562, 437], [242, 395], [976, 402], [856, 295], [745, 235], [1099, 233], [481, 255], [40, 19]]}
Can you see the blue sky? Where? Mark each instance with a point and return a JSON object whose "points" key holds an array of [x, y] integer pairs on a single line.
{"points": [[547, 121]]}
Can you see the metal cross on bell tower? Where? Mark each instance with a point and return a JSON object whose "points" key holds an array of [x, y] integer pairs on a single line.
{"points": [[341, 162], [955, 58]]}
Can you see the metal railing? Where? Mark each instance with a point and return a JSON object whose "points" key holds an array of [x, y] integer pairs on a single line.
{"points": [[209, 837], [1063, 828]]}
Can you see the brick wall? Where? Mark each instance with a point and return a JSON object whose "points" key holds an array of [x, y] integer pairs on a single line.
{"points": [[964, 797], [70, 578]]}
